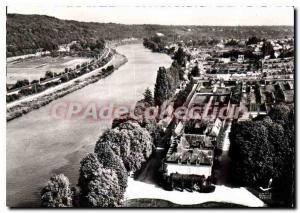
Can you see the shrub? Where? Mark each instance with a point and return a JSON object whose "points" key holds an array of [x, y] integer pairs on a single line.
{"points": [[57, 192]]}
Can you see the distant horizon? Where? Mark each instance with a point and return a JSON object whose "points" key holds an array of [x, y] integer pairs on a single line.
{"points": [[173, 16], [153, 24]]}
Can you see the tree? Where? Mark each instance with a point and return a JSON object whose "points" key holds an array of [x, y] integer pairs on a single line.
{"points": [[257, 92], [154, 129], [251, 153], [179, 56], [148, 97], [21, 83], [183, 94], [57, 192], [236, 93], [174, 75], [253, 40], [99, 186], [195, 71], [129, 141], [267, 49], [49, 74], [231, 43], [34, 82], [162, 90], [280, 114], [110, 160]]}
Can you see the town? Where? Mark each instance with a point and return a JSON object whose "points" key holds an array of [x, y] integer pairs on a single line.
{"points": [[233, 81]]}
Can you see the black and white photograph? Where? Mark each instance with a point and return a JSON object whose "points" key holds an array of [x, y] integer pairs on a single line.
{"points": [[150, 106]]}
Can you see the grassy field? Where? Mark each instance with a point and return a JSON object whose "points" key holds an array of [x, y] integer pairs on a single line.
{"points": [[35, 68], [157, 203]]}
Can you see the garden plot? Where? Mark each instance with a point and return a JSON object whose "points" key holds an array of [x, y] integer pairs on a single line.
{"points": [[33, 69]]}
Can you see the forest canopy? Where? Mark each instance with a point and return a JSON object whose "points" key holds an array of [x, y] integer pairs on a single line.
{"points": [[28, 33]]}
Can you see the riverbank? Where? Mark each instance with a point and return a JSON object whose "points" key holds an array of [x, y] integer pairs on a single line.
{"points": [[15, 110]]}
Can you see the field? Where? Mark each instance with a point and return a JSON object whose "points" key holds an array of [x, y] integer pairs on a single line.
{"points": [[33, 69]]}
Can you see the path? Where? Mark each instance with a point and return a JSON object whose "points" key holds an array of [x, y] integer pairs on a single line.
{"points": [[240, 196], [222, 172]]}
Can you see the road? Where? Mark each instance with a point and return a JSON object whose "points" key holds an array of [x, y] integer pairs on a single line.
{"points": [[207, 107], [149, 173]]}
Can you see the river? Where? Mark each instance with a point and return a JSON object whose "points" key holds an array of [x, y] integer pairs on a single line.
{"points": [[39, 145]]}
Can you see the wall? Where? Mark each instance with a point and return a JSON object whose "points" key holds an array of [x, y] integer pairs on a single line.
{"points": [[188, 169]]}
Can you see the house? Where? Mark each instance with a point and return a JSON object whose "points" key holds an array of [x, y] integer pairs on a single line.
{"points": [[225, 60], [192, 156], [241, 58], [191, 153], [214, 128]]}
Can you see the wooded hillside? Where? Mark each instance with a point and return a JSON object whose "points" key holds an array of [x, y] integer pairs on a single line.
{"points": [[27, 33]]}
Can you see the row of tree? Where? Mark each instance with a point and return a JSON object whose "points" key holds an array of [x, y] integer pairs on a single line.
{"points": [[155, 43], [167, 80], [103, 173]]}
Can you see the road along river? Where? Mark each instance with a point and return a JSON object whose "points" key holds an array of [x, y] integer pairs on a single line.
{"points": [[40, 145]]}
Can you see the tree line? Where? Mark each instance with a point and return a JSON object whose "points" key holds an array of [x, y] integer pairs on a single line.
{"points": [[28, 33], [168, 80], [103, 174]]}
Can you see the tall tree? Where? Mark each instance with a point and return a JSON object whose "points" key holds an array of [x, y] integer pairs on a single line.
{"points": [[179, 56], [99, 186], [267, 49], [195, 71], [183, 94], [148, 97], [110, 160], [131, 142], [174, 75], [251, 153], [162, 89]]}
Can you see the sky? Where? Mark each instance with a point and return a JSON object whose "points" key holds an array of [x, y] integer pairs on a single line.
{"points": [[167, 15]]}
